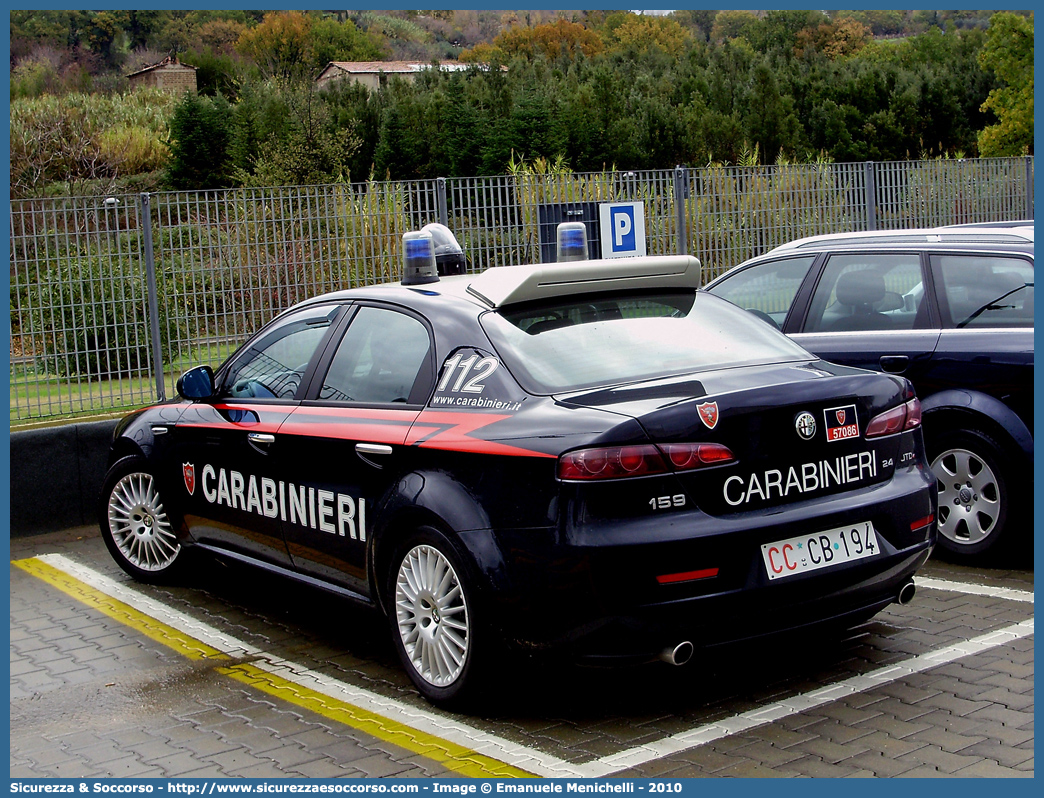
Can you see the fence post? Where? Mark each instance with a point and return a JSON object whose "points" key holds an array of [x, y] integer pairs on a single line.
{"points": [[440, 201], [1029, 187], [871, 195], [681, 193], [150, 277]]}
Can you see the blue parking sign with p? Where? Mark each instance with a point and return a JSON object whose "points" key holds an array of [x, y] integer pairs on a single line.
{"points": [[622, 220], [622, 229]]}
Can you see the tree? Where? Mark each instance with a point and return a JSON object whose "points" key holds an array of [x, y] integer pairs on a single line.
{"points": [[769, 117], [640, 33], [216, 72], [835, 39], [200, 129], [1009, 54], [881, 23], [141, 26], [779, 29], [279, 45], [177, 35], [283, 134], [697, 21], [330, 40], [560, 39], [732, 25], [101, 33], [221, 34]]}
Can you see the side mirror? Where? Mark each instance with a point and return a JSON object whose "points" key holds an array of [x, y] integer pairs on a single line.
{"points": [[197, 383]]}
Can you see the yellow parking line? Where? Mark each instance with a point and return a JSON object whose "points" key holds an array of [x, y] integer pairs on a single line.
{"points": [[453, 757], [125, 614], [450, 755]]}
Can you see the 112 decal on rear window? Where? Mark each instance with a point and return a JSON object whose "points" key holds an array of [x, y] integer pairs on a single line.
{"points": [[474, 371]]}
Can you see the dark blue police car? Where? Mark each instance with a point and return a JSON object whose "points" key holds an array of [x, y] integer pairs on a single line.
{"points": [[588, 457]]}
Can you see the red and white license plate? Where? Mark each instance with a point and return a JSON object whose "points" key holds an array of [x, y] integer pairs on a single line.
{"points": [[819, 550]]}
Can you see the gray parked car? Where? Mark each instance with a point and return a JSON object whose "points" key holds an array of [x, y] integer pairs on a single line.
{"points": [[952, 310]]}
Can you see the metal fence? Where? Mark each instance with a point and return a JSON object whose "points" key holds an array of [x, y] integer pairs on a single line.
{"points": [[112, 297]]}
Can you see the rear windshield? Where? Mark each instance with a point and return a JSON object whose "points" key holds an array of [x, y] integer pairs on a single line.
{"points": [[586, 342]]}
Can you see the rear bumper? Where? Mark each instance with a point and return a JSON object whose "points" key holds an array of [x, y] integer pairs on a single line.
{"points": [[593, 592], [750, 613]]}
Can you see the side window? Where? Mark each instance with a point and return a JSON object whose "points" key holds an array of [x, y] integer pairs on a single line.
{"points": [[983, 291], [273, 365], [767, 289], [869, 292], [379, 359]]}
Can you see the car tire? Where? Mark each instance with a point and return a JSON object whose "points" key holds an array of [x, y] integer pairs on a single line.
{"points": [[435, 620], [974, 492], [135, 525]]}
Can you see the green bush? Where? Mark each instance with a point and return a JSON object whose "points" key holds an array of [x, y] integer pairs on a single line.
{"points": [[90, 320], [200, 130]]}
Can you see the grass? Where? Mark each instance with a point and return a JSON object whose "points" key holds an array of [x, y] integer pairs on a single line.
{"points": [[43, 399]]}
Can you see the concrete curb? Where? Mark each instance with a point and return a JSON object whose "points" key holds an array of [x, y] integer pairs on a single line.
{"points": [[56, 475]]}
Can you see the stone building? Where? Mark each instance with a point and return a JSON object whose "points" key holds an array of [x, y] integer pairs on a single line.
{"points": [[168, 75], [375, 74]]}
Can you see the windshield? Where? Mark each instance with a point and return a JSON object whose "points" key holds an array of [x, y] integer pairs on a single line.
{"points": [[587, 342]]}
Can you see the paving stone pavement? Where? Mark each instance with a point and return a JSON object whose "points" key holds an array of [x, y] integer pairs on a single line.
{"points": [[91, 697]]}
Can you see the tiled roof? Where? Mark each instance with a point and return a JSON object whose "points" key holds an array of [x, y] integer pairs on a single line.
{"points": [[389, 67]]}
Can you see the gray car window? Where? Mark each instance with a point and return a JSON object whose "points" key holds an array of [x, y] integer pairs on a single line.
{"points": [[866, 292], [379, 358], [766, 289], [272, 367], [984, 291]]}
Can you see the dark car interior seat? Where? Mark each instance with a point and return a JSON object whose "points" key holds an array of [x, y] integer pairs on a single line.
{"points": [[548, 324], [859, 291]]}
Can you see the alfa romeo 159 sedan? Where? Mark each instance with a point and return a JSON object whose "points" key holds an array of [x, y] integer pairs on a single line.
{"points": [[590, 458]]}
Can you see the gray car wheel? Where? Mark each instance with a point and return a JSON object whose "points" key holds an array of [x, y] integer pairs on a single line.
{"points": [[973, 493], [135, 525], [432, 616], [433, 612]]}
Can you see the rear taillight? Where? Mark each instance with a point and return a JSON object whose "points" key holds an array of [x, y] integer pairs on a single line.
{"points": [[611, 462], [686, 456], [899, 419], [614, 462]]}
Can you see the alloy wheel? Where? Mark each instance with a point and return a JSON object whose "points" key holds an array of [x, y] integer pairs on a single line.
{"points": [[432, 615], [969, 496], [139, 525]]}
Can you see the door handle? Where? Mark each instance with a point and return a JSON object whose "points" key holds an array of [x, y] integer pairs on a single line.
{"points": [[894, 364], [261, 438], [373, 448], [367, 450]]}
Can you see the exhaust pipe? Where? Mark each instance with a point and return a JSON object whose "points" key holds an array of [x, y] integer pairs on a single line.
{"points": [[906, 593], [678, 655]]}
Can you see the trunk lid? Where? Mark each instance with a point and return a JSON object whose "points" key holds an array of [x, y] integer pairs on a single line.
{"points": [[796, 429]]}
